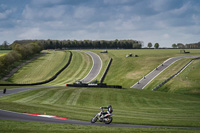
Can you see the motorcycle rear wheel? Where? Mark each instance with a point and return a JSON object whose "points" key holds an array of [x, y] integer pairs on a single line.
{"points": [[109, 120]]}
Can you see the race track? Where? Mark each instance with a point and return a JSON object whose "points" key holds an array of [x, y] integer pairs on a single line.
{"points": [[96, 68], [9, 115], [153, 74]]}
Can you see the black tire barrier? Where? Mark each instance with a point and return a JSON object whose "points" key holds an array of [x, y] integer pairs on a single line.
{"points": [[94, 85], [46, 81], [106, 71], [157, 87]]}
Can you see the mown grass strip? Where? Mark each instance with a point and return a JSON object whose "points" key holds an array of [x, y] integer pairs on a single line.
{"points": [[41, 69], [57, 95], [73, 98], [130, 106], [186, 82], [35, 96], [79, 67], [24, 127]]}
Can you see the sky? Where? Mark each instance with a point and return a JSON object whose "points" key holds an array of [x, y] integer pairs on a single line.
{"points": [[156, 21]]}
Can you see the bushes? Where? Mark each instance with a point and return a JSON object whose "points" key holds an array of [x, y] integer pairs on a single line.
{"points": [[19, 52], [27, 49]]}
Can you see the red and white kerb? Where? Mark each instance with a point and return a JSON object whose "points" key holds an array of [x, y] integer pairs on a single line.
{"points": [[48, 116]]}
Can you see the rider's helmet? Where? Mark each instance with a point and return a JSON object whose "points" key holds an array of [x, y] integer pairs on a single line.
{"points": [[110, 108]]}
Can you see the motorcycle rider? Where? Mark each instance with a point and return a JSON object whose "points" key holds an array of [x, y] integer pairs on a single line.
{"points": [[110, 110]]}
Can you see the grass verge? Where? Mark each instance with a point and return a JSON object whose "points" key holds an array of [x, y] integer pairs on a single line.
{"points": [[186, 82], [32, 127]]}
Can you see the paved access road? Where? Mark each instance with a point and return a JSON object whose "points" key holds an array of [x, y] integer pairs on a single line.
{"points": [[96, 68], [153, 74]]}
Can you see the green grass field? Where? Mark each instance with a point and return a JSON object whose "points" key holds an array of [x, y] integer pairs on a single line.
{"points": [[187, 82], [41, 69], [47, 65], [32, 127], [127, 71], [171, 105], [80, 66], [167, 73], [3, 52], [130, 105]]}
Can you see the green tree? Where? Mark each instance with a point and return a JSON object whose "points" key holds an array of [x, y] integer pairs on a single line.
{"points": [[180, 45], [174, 45], [156, 45], [5, 46], [149, 44]]}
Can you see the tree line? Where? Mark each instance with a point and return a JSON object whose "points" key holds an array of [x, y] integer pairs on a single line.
{"points": [[189, 46], [5, 46], [19, 52], [86, 44], [178, 45]]}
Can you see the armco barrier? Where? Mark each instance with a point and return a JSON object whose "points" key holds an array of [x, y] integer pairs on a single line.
{"points": [[107, 68], [46, 81], [94, 85], [174, 74]]}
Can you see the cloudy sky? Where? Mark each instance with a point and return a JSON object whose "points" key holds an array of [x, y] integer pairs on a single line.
{"points": [[162, 21]]}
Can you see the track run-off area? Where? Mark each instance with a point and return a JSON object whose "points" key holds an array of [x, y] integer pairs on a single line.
{"points": [[97, 65]]}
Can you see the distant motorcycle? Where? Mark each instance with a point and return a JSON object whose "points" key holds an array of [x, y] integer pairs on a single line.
{"points": [[102, 117]]}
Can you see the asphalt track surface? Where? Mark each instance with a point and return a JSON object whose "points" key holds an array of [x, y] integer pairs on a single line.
{"points": [[96, 68], [153, 74]]}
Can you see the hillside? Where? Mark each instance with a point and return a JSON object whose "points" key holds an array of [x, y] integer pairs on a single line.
{"points": [[127, 71], [132, 106]]}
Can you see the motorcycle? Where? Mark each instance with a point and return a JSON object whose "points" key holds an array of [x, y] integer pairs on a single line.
{"points": [[102, 117]]}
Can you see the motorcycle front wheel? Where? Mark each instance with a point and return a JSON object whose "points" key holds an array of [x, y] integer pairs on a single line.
{"points": [[108, 120], [94, 119]]}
